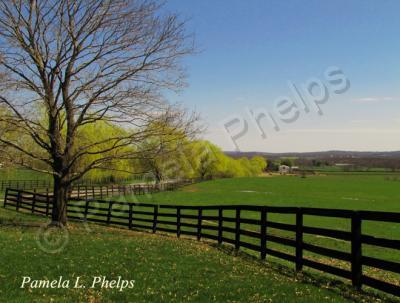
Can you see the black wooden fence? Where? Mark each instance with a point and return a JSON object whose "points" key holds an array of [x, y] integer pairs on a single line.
{"points": [[243, 226], [24, 184], [102, 191], [42, 185], [91, 192]]}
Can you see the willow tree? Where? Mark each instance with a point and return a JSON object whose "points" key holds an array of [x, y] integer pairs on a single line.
{"points": [[78, 62]]}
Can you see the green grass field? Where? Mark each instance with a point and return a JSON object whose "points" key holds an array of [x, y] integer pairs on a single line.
{"points": [[164, 268], [362, 192], [357, 192], [350, 191], [22, 174]]}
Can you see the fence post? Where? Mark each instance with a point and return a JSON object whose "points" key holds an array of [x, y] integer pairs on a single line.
{"points": [[5, 198], [220, 224], [101, 192], [86, 193], [178, 222], [155, 218], [130, 215], [47, 202], [86, 209], [93, 193], [109, 212], [199, 223], [237, 229], [79, 191], [263, 231], [299, 239], [33, 201], [19, 198], [356, 251]]}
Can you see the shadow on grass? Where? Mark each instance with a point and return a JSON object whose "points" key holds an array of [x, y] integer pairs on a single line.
{"points": [[8, 223], [313, 278], [331, 284], [20, 222]]}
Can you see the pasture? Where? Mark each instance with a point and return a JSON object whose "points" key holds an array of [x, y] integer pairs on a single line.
{"points": [[345, 191], [165, 269], [350, 191], [373, 192], [22, 174]]}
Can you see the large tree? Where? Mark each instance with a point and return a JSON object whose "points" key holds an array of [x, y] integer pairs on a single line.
{"points": [[77, 62]]}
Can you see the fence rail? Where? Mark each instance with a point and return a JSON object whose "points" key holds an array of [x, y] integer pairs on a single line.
{"points": [[29, 184], [24, 184], [243, 226], [100, 191], [91, 192]]}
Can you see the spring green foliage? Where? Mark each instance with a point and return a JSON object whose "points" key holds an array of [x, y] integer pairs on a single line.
{"points": [[204, 160], [94, 133], [171, 156], [163, 156], [88, 135], [209, 162], [175, 155]]}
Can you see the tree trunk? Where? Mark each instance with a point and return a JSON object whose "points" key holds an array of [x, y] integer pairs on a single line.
{"points": [[158, 176], [60, 198], [158, 179]]}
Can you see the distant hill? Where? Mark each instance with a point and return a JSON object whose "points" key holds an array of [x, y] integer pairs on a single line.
{"points": [[353, 160], [337, 154]]}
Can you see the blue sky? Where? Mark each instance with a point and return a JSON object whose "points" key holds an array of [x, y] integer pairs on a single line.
{"points": [[250, 50]]}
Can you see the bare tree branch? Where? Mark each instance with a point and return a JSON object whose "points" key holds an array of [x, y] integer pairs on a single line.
{"points": [[69, 64]]}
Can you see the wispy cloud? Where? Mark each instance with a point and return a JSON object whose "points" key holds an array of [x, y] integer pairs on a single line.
{"points": [[373, 99]]}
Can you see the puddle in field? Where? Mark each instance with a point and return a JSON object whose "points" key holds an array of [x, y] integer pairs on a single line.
{"points": [[253, 191]]}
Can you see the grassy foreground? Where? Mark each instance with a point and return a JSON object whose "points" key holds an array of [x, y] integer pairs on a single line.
{"points": [[165, 269]]}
